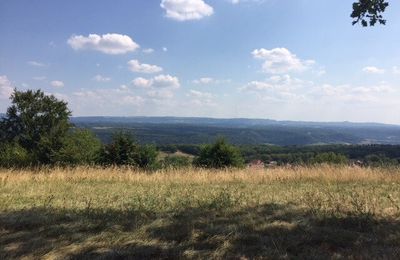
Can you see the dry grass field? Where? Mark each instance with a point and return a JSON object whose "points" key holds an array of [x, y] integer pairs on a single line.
{"points": [[322, 212]]}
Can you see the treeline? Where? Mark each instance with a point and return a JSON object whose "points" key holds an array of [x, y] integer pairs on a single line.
{"points": [[363, 155], [36, 130]]}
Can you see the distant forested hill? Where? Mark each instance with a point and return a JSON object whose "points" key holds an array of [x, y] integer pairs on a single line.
{"points": [[182, 130]]}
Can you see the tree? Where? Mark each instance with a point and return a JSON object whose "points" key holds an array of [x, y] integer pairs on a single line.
{"points": [[369, 12], [219, 155], [80, 146], [36, 122], [123, 150]]}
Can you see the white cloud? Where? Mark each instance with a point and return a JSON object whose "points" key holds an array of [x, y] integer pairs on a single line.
{"points": [[280, 60], [165, 49], [209, 80], [100, 78], [165, 81], [200, 98], [160, 81], [36, 63], [136, 66], [276, 83], [141, 82], [257, 86], [149, 50], [350, 93], [57, 84], [199, 94], [183, 10], [373, 70], [110, 43], [106, 101], [5, 87], [205, 80], [396, 70]]}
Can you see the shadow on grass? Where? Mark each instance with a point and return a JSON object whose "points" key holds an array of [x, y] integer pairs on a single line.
{"points": [[271, 230]]}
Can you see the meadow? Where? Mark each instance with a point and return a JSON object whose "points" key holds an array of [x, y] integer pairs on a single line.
{"points": [[299, 212]]}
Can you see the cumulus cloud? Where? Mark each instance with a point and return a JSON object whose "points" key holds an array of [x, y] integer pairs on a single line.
{"points": [[36, 63], [57, 84], [183, 10], [200, 98], [165, 81], [106, 101], [280, 60], [164, 49], [5, 87], [148, 50], [110, 43], [373, 70], [396, 70], [160, 81], [142, 82], [350, 93], [276, 83], [136, 66], [100, 78]]}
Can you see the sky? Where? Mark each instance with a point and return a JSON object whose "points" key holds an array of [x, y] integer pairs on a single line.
{"points": [[277, 59]]}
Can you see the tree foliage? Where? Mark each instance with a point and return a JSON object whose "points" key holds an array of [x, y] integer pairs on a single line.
{"points": [[36, 122], [369, 12], [80, 146], [124, 150], [219, 155]]}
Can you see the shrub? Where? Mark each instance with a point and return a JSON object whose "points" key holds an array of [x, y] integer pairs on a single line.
{"points": [[13, 155], [80, 146], [380, 160], [147, 157], [175, 162], [123, 150], [219, 155], [331, 158]]}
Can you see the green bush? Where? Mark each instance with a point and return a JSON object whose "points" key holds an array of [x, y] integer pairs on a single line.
{"points": [[219, 155], [380, 160], [330, 158], [123, 150], [175, 162], [13, 155], [80, 146]]}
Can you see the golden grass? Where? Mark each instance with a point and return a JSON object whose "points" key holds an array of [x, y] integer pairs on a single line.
{"points": [[321, 212], [324, 173]]}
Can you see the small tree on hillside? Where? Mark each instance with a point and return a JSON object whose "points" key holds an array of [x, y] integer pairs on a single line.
{"points": [[219, 155], [37, 123], [123, 150]]}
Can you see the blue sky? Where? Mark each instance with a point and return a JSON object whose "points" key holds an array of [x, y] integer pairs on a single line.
{"points": [[277, 59]]}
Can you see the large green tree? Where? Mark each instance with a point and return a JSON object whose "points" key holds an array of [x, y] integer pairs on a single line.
{"points": [[36, 122], [369, 12]]}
